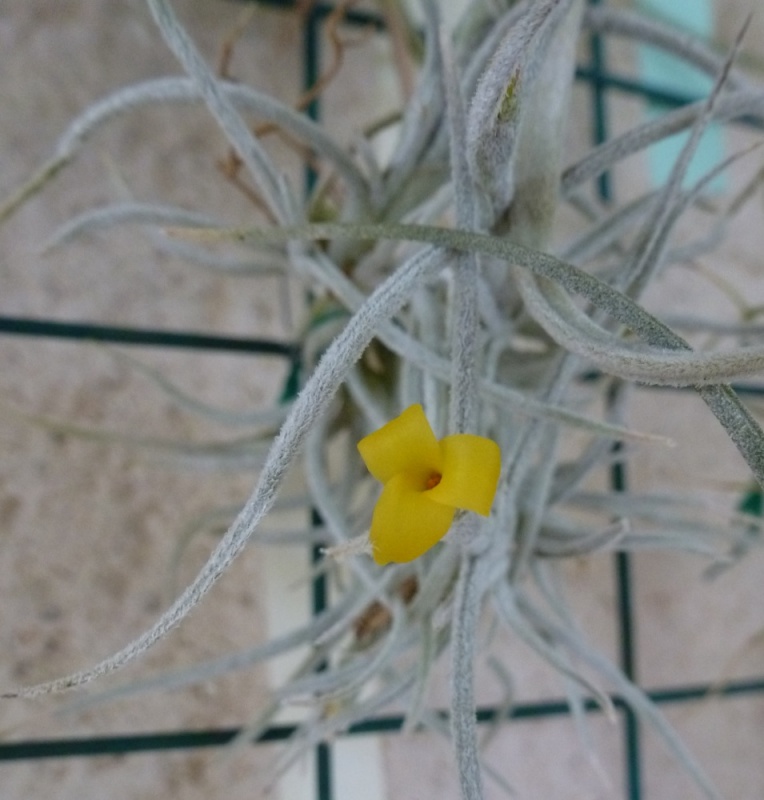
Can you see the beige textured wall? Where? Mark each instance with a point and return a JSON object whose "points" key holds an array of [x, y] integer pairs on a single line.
{"points": [[87, 528]]}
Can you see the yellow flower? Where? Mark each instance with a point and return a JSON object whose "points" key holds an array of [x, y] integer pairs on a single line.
{"points": [[425, 482]]}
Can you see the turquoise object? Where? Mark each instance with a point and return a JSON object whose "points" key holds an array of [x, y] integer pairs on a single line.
{"points": [[658, 69]]}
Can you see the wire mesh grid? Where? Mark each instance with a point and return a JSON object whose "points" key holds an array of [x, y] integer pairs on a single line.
{"points": [[601, 82]]}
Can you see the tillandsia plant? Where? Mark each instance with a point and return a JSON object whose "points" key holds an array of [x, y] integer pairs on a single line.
{"points": [[455, 351]]}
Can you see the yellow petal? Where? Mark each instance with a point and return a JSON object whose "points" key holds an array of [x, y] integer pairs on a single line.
{"points": [[406, 523], [405, 444], [471, 466]]}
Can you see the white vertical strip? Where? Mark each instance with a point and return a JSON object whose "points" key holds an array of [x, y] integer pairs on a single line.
{"points": [[358, 768], [357, 763], [287, 606]]}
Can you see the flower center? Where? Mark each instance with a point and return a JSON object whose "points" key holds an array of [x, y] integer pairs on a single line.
{"points": [[432, 481]]}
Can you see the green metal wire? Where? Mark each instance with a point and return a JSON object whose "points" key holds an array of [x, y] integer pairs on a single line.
{"points": [[320, 589], [50, 329], [389, 724], [622, 561]]}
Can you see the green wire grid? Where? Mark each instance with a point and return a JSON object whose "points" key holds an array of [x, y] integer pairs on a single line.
{"points": [[601, 83]]}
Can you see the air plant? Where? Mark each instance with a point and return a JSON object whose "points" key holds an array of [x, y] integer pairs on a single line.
{"points": [[434, 281]]}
